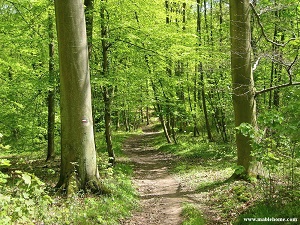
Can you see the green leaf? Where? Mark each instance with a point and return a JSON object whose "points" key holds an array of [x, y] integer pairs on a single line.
{"points": [[4, 163], [239, 170], [3, 178], [272, 156], [25, 195], [26, 178]]}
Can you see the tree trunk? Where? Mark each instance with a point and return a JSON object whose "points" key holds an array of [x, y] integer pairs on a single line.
{"points": [[147, 116], [200, 70], [51, 93], [163, 124], [89, 12], [78, 154], [107, 120], [207, 125], [242, 78], [193, 105], [160, 113], [108, 89]]}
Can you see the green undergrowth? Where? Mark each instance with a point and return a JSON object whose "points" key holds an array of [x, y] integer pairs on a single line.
{"points": [[197, 148], [27, 197], [207, 167], [117, 138], [276, 213], [192, 215], [204, 163]]}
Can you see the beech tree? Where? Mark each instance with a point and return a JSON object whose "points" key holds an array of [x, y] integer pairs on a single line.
{"points": [[78, 154], [242, 77]]}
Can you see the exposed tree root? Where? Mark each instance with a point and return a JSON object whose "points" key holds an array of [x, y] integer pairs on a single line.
{"points": [[71, 185]]}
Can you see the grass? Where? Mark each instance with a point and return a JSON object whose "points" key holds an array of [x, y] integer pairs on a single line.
{"points": [[27, 198], [206, 167], [272, 211], [192, 215], [202, 166]]}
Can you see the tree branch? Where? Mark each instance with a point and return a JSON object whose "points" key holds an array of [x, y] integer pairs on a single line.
{"points": [[263, 31], [289, 68], [276, 87]]}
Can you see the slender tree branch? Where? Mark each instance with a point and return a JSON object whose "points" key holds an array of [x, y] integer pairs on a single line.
{"points": [[263, 31], [289, 68], [274, 8], [276, 87]]}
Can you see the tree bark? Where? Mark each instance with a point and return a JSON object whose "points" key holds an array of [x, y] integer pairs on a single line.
{"points": [[160, 113], [51, 92], [203, 97], [78, 154], [89, 12], [200, 70], [242, 78], [108, 89]]}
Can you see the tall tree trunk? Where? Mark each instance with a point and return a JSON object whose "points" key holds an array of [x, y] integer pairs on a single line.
{"points": [[222, 110], [147, 116], [278, 55], [108, 89], [193, 105], [242, 78], [160, 113], [78, 154], [149, 70], [89, 16], [147, 107], [51, 93], [183, 16], [203, 97], [107, 120], [126, 120], [200, 69]]}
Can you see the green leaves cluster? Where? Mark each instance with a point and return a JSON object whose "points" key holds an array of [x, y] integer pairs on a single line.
{"points": [[23, 197]]}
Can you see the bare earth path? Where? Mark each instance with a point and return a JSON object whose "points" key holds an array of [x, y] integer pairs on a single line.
{"points": [[159, 191]]}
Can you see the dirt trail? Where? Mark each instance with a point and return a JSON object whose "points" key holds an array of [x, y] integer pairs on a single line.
{"points": [[161, 199]]}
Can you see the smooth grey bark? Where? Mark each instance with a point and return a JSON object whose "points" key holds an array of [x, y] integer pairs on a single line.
{"points": [[242, 78], [78, 154]]}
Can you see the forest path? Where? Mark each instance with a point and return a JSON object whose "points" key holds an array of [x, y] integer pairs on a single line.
{"points": [[159, 191]]}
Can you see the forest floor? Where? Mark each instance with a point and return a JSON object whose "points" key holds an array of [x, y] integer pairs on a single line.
{"points": [[185, 183], [162, 193], [189, 184]]}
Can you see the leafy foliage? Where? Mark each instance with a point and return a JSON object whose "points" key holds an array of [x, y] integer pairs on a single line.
{"points": [[24, 199]]}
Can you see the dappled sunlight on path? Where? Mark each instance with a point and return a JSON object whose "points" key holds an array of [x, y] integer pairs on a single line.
{"points": [[159, 191]]}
